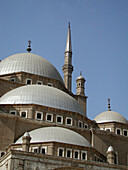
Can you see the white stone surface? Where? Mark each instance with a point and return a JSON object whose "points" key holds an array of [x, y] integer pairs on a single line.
{"points": [[56, 134], [30, 63], [42, 95], [110, 116]]}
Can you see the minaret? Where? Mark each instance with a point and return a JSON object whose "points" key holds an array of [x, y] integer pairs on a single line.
{"points": [[80, 94], [67, 67], [80, 85]]}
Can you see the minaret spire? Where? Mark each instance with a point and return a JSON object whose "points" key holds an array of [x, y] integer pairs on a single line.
{"points": [[67, 67], [68, 47]]}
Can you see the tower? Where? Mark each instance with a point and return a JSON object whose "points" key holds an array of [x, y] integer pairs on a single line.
{"points": [[26, 142], [110, 155], [67, 67], [80, 94], [80, 85]]}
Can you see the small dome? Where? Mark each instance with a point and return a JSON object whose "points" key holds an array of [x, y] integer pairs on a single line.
{"points": [[30, 63], [42, 95], [56, 134], [80, 77], [110, 149], [110, 116]]}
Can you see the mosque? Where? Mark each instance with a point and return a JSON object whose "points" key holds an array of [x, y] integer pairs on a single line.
{"points": [[44, 126]]}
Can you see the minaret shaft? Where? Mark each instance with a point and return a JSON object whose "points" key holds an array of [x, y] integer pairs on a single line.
{"points": [[67, 67]]}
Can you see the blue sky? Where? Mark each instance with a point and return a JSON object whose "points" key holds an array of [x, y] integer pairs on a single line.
{"points": [[99, 42]]}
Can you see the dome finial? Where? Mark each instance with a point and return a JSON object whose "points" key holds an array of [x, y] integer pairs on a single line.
{"points": [[80, 73], [29, 46], [109, 107]]}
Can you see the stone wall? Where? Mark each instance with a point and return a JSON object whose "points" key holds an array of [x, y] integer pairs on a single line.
{"points": [[12, 127], [22, 77], [101, 140], [6, 86], [18, 160]]}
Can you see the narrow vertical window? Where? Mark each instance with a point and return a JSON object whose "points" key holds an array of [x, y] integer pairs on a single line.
{"points": [[85, 126], [69, 121], [60, 152], [84, 155], [49, 117], [68, 153], [118, 131], [39, 115], [59, 119], [43, 150], [76, 154], [79, 124]]}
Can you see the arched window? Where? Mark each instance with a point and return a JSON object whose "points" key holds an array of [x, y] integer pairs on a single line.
{"points": [[118, 131], [85, 126], [39, 115], [68, 121], [59, 119], [43, 150], [49, 117], [60, 152], [28, 81], [68, 153], [80, 124], [84, 155], [23, 114], [76, 154]]}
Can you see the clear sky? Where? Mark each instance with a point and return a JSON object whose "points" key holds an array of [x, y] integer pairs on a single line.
{"points": [[99, 42]]}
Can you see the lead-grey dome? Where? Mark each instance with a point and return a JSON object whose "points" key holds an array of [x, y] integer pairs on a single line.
{"points": [[30, 63], [42, 95], [56, 134], [110, 116]]}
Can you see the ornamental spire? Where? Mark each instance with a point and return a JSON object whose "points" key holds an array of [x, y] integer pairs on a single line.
{"points": [[68, 47], [67, 67], [109, 106], [29, 46]]}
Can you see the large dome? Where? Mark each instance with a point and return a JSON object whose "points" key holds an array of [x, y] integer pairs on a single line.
{"points": [[42, 95], [56, 134], [30, 63], [110, 116]]}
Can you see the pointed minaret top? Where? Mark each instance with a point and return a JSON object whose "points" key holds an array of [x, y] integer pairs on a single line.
{"points": [[68, 24], [29, 46], [109, 107], [68, 42]]}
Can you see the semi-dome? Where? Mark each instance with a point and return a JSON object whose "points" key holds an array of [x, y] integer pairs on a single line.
{"points": [[30, 63], [110, 116], [42, 95], [56, 134]]}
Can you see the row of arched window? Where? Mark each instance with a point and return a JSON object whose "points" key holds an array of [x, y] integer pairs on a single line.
{"points": [[49, 118]]}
